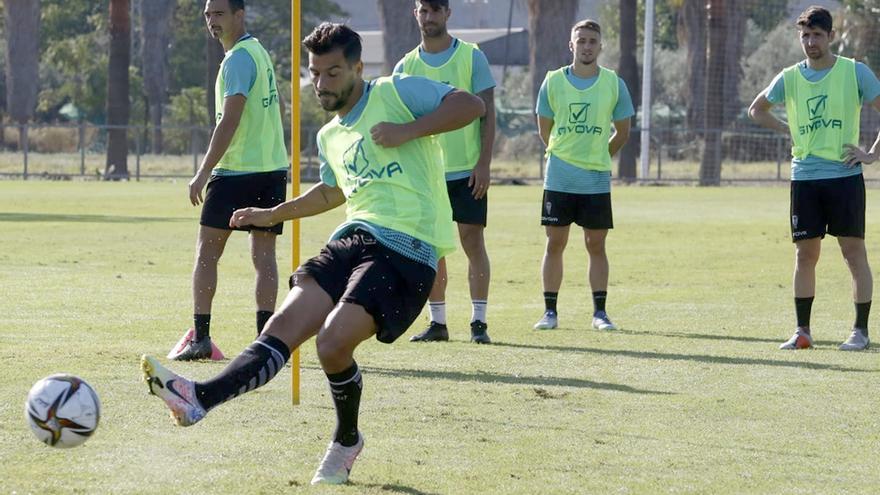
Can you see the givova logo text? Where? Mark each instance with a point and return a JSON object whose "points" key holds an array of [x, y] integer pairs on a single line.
{"points": [[577, 121], [816, 109]]}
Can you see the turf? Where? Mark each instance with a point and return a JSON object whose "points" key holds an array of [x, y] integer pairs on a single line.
{"points": [[690, 396]]}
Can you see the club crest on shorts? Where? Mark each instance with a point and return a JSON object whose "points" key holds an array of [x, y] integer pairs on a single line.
{"points": [[794, 221], [547, 206]]}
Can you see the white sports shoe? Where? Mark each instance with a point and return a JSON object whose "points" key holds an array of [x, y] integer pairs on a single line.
{"points": [[602, 322], [800, 340], [857, 341], [547, 322], [178, 393], [336, 465]]}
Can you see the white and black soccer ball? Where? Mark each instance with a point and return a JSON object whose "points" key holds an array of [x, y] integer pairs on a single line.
{"points": [[62, 410]]}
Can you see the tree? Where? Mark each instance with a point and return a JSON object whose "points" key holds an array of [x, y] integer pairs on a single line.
{"points": [[549, 23], [155, 31], [859, 33], [118, 89], [628, 70], [22, 61], [692, 34], [710, 166], [400, 31]]}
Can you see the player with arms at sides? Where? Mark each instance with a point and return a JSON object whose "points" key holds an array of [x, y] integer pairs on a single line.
{"points": [[577, 107], [823, 97], [373, 277], [466, 152], [246, 165]]}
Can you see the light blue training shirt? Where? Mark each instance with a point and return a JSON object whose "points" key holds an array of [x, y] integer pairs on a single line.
{"points": [[239, 76], [481, 79], [562, 176], [421, 96], [813, 167]]}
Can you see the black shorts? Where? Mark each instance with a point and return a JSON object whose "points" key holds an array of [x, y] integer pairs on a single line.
{"points": [[590, 211], [357, 269], [832, 206], [227, 193], [466, 209]]}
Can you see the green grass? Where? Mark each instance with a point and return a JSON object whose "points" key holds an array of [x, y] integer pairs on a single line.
{"points": [[691, 396]]}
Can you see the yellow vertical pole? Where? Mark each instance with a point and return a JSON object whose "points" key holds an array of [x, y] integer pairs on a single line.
{"points": [[294, 165]]}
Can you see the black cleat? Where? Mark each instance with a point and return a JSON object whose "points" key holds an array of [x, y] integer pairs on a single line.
{"points": [[479, 335], [436, 332], [194, 350]]}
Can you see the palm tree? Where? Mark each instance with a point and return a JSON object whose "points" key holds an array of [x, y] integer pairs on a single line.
{"points": [[117, 90], [155, 40], [710, 166], [628, 70], [22, 61], [400, 31], [549, 35]]}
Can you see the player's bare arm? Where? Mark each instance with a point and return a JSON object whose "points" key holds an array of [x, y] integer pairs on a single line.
{"points": [[853, 155], [545, 126], [480, 176], [457, 110], [620, 136], [759, 112], [233, 107], [318, 199]]}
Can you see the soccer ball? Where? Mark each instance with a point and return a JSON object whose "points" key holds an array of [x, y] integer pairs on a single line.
{"points": [[62, 410]]}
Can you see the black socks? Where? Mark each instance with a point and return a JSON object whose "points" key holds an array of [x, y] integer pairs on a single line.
{"points": [[202, 324], [346, 388], [255, 366], [550, 301]]}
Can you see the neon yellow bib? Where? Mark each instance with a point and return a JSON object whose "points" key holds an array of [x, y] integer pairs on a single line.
{"points": [[461, 147], [258, 142], [823, 115], [582, 119], [400, 188]]}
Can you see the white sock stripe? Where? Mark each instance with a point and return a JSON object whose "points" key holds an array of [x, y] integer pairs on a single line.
{"points": [[441, 303], [274, 351], [272, 366], [357, 376]]}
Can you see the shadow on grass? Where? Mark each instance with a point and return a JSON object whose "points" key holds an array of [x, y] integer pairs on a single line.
{"points": [[55, 217], [706, 336], [698, 358], [388, 487], [485, 377]]}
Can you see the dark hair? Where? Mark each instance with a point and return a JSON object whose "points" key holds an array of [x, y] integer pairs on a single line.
{"points": [[236, 5], [329, 36], [815, 17], [435, 4], [587, 24]]}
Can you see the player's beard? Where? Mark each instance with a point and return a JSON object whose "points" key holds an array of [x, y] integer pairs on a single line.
{"points": [[815, 53], [587, 59], [340, 100], [433, 30]]}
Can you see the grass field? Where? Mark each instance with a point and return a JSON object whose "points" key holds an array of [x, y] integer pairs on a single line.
{"points": [[691, 396]]}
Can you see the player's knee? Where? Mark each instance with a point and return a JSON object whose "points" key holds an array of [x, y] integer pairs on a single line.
{"points": [[806, 256], [596, 247], [556, 245], [854, 254], [331, 347], [473, 243]]}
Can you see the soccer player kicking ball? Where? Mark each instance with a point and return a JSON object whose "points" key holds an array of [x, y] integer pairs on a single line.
{"points": [[577, 105], [374, 275], [823, 97]]}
